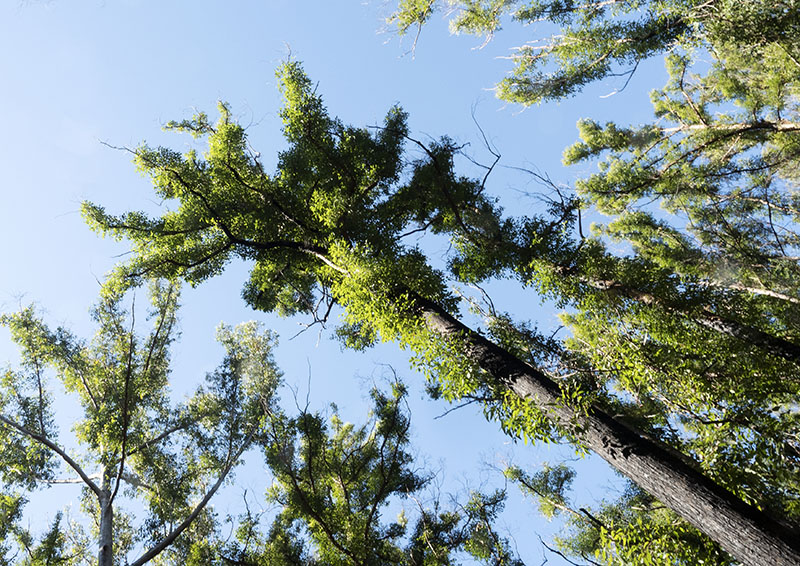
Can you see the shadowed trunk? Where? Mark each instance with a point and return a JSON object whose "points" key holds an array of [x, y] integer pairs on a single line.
{"points": [[745, 532]]}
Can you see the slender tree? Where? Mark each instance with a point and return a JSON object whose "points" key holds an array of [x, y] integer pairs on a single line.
{"points": [[132, 442], [329, 227]]}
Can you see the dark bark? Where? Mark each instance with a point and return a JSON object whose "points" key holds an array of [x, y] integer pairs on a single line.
{"points": [[745, 532]]}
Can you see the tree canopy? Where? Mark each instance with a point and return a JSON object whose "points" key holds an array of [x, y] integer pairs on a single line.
{"points": [[678, 357], [134, 447], [330, 225]]}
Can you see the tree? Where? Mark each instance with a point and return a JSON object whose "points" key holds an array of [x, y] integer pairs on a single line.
{"points": [[698, 324], [333, 481], [133, 443], [329, 227]]}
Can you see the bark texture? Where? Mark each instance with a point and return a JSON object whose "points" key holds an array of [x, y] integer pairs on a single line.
{"points": [[105, 555], [745, 532]]}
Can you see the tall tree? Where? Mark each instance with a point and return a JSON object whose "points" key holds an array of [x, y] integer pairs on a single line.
{"points": [[330, 227], [132, 442], [698, 324]]}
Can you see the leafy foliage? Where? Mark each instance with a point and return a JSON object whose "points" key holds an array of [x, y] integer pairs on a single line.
{"points": [[130, 433], [334, 480], [633, 529], [689, 334], [604, 38]]}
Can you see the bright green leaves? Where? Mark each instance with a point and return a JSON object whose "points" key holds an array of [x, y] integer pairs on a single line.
{"points": [[50, 549], [587, 53], [483, 542], [656, 337], [412, 13], [303, 113], [608, 38], [754, 23], [688, 339], [633, 529], [480, 17], [335, 185], [231, 409], [637, 530], [26, 403], [548, 486], [249, 354], [336, 480], [719, 166]]}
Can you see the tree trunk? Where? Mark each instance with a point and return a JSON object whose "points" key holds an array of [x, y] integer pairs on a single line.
{"points": [[105, 556], [746, 533]]}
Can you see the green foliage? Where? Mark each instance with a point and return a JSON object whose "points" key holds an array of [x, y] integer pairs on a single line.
{"points": [[636, 530], [334, 480], [711, 284], [548, 486], [691, 331], [631, 530], [606, 38], [51, 547], [595, 39], [134, 443], [686, 328]]}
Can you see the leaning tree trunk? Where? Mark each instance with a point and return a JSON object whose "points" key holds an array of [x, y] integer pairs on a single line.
{"points": [[745, 532]]}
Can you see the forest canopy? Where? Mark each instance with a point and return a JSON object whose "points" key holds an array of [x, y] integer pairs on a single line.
{"points": [[679, 361]]}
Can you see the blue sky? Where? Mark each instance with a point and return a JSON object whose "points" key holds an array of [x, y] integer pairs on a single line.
{"points": [[75, 75]]}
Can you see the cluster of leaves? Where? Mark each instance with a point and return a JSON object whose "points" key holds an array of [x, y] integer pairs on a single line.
{"points": [[333, 482]]}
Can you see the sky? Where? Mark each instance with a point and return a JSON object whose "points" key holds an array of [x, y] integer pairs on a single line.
{"points": [[78, 77]]}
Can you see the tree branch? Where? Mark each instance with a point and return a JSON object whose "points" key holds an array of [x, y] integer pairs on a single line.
{"points": [[176, 532], [54, 447], [125, 406]]}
